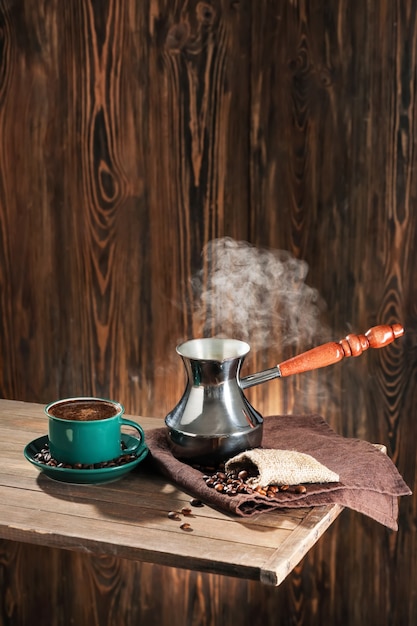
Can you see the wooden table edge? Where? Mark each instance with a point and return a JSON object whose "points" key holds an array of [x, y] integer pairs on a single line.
{"points": [[296, 546]]}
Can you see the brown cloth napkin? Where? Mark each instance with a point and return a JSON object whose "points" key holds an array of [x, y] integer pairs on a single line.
{"points": [[369, 481]]}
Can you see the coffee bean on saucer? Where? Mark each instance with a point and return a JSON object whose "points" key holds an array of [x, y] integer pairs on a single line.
{"points": [[45, 458]]}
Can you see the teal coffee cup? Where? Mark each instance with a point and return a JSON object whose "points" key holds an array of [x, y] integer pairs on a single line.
{"points": [[87, 430]]}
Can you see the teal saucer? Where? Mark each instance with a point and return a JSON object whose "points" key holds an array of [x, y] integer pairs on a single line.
{"points": [[84, 476]]}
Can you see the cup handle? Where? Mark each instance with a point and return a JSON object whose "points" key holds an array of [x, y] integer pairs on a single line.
{"points": [[136, 446]]}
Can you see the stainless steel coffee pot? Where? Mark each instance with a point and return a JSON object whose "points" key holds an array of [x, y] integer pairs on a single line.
{"points": [[214, 420]]}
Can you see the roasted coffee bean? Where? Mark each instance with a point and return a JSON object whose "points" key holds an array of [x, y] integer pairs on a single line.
{"points": [[125, 458], [196, 502], [174, 515], [186, 511], [45, 457], [300, 489], [232, 483], [186, 526]]}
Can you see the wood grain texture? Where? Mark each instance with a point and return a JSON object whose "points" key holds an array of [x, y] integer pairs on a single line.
{"points": [[131, 135]]}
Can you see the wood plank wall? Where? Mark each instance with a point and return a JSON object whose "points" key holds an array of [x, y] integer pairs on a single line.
{"points": [[140, 141]]}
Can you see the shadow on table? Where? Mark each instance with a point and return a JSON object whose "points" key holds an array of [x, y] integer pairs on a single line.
{"points": [[141, 497]]}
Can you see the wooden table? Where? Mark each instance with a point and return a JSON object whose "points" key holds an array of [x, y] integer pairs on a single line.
{"points": [[128, 518]]}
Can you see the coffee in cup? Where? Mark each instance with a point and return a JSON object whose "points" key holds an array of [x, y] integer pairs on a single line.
{"points": [[87, 430]]}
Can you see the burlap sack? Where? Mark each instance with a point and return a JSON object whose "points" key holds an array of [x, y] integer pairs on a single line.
{"points": [[280, 467]]}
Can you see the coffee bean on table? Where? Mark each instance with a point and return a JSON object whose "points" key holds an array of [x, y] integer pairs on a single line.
{"points": [[186, 511], [196, 502]]}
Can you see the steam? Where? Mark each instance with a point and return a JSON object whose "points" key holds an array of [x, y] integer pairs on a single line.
{"points": [[258, 295]]}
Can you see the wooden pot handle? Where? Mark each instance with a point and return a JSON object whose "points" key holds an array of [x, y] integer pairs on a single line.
{"points": [[332, 352]]}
